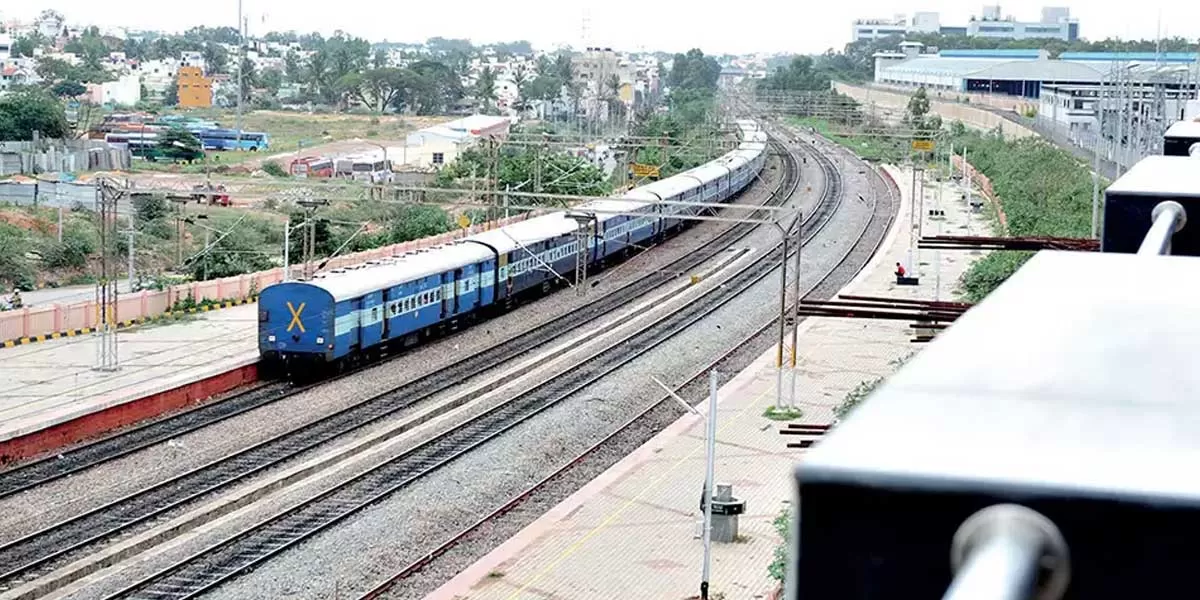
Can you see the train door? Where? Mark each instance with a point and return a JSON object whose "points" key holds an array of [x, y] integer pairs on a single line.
{"points": [[486, 277], [505, 276], [456, 304], [468, 289], [370, 320], [448, 299]]}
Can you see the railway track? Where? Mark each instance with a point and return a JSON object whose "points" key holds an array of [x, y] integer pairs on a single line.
{"points": [[870, 238], [35, 473], [37, 553], [211, 567]]}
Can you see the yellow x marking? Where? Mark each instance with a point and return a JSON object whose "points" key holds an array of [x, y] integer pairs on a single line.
{"points": [[295, 322]]}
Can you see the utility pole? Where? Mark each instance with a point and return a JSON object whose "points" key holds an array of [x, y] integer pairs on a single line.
{"points": [[583, 238], [796, 308], [287, 243], [241, 63], [779, 402], [107, 197], [709, 475]]}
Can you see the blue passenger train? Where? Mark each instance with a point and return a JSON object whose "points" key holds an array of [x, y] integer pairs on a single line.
{"points": [[353, 313]]}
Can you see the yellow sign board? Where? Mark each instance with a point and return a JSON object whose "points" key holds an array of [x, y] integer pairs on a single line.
{"points": [[464, 221], [923, 145], [640, 170]]}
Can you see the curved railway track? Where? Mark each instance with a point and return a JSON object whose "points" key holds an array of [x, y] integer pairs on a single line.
{"points": [[883, 213], [213, 566], [32, 474], [31, 556]]}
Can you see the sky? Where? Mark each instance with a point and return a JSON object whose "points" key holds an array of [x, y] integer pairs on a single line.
{"points": [[757, 26]]}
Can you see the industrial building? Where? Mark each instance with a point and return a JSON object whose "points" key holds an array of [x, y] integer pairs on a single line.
{"points": [[195, 90], [1056, 23]]}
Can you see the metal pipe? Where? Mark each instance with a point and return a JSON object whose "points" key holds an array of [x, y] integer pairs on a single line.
{"points": [[1008, 552], [1003, 568], [1169, 219]]}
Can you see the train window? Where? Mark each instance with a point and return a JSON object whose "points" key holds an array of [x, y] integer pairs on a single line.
{"points": [[394, 309], [263, 316], [375, 312]]}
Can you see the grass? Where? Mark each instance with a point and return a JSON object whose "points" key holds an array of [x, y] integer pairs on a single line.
{"points": [[892, 150], [783, 413], [289, 131]]}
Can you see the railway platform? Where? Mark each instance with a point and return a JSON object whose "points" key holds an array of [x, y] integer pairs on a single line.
{"points": [[53, 396], [633, 531]]}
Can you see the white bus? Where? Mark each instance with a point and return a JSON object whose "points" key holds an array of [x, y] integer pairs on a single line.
{"points": [[365, 168]]}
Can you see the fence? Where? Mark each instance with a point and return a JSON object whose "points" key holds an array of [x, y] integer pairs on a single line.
{"points": [[48, 193], [60, 156], [950, 111], [44, 320], [981, 181]]}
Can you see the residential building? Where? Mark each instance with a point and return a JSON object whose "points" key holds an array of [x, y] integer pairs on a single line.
{"points": [[13, 75], [157, 75], [195, 90], [125, 91], [193, 59], [6, 44]]}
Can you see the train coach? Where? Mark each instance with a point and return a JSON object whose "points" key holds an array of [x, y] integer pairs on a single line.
{"points": [[351, 314]]}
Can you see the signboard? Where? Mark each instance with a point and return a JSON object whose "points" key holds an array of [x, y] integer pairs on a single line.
{"points": [[640, 170], [923, 145], [464, 221]]}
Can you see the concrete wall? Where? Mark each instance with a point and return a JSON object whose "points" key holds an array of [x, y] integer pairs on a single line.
{"points": [[949, 111]]}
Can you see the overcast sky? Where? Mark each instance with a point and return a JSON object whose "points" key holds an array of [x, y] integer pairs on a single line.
{"points": [[759, 25]]}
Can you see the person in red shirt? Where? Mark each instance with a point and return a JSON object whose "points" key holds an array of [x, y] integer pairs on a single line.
{"points": [[899, 270]]}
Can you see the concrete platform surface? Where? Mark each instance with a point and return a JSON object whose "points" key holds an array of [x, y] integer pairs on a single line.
{"points": [[54, 382], [633, 532]]}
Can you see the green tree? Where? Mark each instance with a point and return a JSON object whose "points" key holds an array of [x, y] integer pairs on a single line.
{"points": [[180, 144], [171, 94], [485, 87], [412, 222], [293, 70], [216, 58], [68, 89], [271, 80], [25, 45], [249, 79], [30, 110], [377, 89]]}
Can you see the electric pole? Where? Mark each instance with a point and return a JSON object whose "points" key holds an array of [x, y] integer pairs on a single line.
{"points": [[241, 63]]}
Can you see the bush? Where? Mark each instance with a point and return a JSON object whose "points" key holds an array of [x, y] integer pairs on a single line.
{"points": [[15, 269], [274, 169], [987, 274], [783, 524]]}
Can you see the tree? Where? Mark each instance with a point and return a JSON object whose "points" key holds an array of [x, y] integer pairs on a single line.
{"points": [[249, 79], [171, 94], [25, 45], [521, 78], [377, 88], [485, 87], [30, 110], [413, 222], [68, 89], [271, 80], [293, 71], [180, 144], [216, 58]]}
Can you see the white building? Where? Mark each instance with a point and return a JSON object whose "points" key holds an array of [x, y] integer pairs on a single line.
{"points": [[125, 91], [13, 75], [193, 59], [1056, 23], [440, 145], [158, 75], [6, 44], [875, 29]]}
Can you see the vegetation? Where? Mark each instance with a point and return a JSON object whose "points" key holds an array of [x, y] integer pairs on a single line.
{"points": [[783, 525], [30, 110], [1045, 191]]}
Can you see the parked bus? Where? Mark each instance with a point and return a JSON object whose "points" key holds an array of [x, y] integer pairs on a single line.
{"points": [[227, 139], [312, 166], [150, 150], [365, 168]]}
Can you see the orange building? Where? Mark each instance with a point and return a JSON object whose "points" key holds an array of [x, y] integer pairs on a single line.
{"points": [[195, 90]]}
